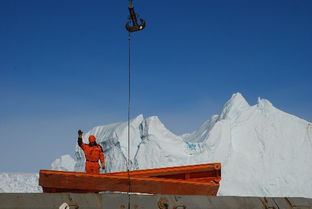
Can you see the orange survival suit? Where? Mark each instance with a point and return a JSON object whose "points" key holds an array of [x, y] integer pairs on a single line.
{"points": [[93, 153]]}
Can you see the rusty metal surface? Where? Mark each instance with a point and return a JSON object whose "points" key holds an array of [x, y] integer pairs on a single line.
{"points": [[120, 201], [183, 180]]}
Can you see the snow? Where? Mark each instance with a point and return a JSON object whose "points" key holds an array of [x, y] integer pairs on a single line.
{"points": [[263, 150], [64, 163], [19, 182]]}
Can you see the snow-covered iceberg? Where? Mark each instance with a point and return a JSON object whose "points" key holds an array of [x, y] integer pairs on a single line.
{"points": [[263, 150]]}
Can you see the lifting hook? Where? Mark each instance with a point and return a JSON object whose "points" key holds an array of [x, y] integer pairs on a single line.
{"points": [[133, 19]]}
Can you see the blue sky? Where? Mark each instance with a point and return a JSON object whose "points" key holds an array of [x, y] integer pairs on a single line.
{"points": [[63, 66]]}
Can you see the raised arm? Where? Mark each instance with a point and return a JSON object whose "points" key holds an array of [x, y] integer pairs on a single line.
{"points": [[80, 143]]}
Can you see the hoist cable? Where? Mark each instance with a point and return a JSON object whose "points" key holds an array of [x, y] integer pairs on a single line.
{"points": [[135, 27], [129, 108]]}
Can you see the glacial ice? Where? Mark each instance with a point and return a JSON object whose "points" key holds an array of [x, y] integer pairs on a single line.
{"points": [[263, 150]]}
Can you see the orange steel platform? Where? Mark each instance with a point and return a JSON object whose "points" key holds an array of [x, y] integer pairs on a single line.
{"points": [[184, 180]]}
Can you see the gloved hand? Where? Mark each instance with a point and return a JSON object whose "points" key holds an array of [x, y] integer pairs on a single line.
{"points": [[80, 133], [103, 166]]}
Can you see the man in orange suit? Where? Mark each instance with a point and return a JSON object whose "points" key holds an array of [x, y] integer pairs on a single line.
{"points": [[93, 153]]}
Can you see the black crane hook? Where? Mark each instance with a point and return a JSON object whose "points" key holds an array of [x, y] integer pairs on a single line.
{"points": [[133, 18]]}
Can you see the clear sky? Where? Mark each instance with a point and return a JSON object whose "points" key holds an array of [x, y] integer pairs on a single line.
{"points": [[63, 66]]}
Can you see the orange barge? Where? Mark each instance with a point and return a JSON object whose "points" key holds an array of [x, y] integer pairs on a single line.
{"points": [[183, 180]]}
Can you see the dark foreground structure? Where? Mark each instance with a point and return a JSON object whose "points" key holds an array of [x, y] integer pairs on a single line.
{"points": [[120, 201]]}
